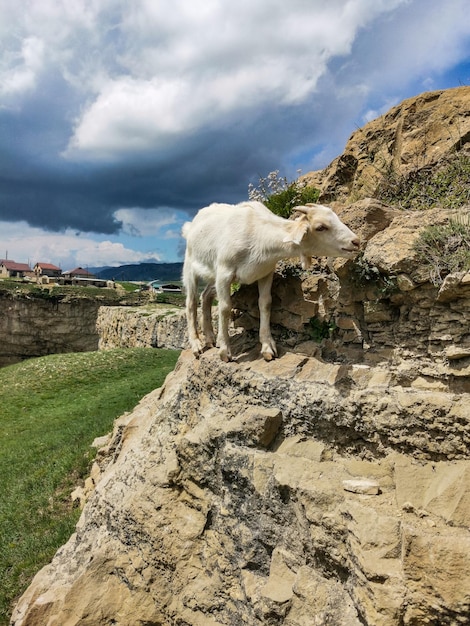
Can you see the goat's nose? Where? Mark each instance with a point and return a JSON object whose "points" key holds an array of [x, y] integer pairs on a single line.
{"points": [[356, 242]]}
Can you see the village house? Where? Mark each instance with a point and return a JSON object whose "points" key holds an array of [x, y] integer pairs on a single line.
{"points": [[47, 269], [82, 277], [11, 269], [47, 273], [78, 272]]}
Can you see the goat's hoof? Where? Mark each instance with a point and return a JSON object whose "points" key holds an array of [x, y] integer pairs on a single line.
{"points": [[268, 352], [225, 356], [196, 348]]}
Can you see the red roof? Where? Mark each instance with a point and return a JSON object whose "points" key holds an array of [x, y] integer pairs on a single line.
{"points": [[79, 271], [12, 266], [48, 266]]}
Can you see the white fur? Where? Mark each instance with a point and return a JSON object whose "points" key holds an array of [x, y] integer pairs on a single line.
{"points": [[242, 243]]}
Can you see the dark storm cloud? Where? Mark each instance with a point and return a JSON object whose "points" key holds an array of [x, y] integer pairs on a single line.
{"points": [[37, 185], [107, 106]]}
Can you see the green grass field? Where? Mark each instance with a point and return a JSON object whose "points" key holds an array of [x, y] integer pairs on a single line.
{"points": [[51, 410]]}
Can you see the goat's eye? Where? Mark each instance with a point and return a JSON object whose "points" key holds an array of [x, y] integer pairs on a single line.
{"points": [[321, 227]]}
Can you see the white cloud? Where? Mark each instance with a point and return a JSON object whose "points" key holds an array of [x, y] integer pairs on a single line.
{"points": [[177, 104], [130, 116], [173, 233], [145, 222], [153, 72], [372, 114], [110, 253], [198, 63], [23, 243], [410, 44], [19, 70]]}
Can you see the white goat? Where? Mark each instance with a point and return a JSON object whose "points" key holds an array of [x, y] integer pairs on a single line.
{"points": [[242, 243]]}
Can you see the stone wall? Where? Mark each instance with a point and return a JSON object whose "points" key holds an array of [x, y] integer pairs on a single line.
{"points": [[155, 326], [31, 327], [34, 326]]}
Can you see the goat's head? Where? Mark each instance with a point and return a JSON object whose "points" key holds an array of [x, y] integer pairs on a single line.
{"points": [[319, 232]]}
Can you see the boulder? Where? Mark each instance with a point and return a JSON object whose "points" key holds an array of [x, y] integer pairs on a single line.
{"points": [[418, 133]]}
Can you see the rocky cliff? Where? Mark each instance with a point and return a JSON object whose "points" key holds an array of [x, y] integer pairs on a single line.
{"points": [[31, 327], [153, 325], [330, 486], [420, 133], [298, 492]]}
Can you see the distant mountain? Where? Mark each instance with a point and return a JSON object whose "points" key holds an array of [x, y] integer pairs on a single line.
{"points": [[141, 271]]}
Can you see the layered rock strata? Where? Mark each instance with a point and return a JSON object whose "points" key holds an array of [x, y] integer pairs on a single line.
{"points": [[295, 492], [382, 309], [31, 327], [418, 133], [154, 326]]}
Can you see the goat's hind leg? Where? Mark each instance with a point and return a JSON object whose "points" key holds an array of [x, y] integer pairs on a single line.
{"points": [[191, 285], [223, 284], [206, 304]]}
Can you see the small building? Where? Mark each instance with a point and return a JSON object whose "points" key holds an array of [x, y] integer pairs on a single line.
{"points": [[47, 269], [11, 269], [157, 287], [78, 272]]}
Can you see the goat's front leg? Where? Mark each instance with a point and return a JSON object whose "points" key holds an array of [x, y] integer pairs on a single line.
{"points": [[268, 345], [191, 314], [223, 283], [207, 299]]}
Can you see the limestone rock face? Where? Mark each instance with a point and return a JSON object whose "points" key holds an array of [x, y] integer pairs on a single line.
{"points": [[230, 496], [155, 326], [382, 309], [36, 327], [419, 132]]}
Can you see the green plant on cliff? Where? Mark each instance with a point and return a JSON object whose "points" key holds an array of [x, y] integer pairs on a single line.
{"points": [[365, 274], [448, 186], [320, 329], [51, 409], [280, 195], [445, 248]]}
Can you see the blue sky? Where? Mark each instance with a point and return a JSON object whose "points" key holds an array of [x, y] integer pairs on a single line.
{"points": [[119, 120]]}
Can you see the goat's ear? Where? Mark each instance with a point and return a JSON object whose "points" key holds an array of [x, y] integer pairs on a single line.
{"points": [[301, 209], [299, 230]]}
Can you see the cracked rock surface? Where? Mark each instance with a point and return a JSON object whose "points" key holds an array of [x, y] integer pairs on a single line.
{"points": [[233, 495]]}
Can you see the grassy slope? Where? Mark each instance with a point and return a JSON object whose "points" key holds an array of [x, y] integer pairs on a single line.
{"points": [[51, 409]]}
